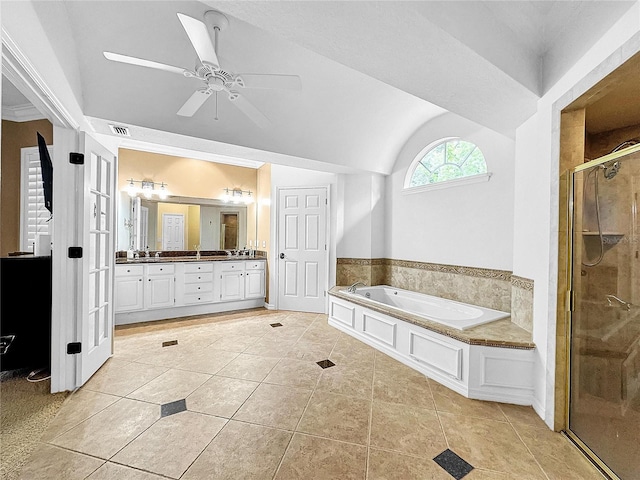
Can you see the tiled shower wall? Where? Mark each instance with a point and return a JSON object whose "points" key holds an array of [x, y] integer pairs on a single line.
{"points": [[497, 289]]}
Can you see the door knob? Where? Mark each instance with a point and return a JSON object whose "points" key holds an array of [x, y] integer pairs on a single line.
{"points": [[282, 255]]}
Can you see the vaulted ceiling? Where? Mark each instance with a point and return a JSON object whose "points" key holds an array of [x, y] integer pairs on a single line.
{"points": [[372, 72]]}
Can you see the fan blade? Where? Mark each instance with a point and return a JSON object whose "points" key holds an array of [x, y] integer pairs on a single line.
{"points": [[249, 109], [200, 39], [116, 57], [253, 80], [194, 102]]}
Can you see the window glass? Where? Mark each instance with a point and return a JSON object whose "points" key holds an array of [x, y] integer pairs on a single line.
{"points": [[448, 160]]}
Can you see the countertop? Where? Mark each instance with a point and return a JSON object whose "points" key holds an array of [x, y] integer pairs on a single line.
{"points": [[500, 333], [203, 258]]}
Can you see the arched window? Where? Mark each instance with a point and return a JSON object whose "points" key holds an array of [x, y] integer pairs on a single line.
{"points": [[450, 160]]}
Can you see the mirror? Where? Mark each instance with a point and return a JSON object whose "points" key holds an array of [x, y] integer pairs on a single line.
{"points": [[183, 223]]}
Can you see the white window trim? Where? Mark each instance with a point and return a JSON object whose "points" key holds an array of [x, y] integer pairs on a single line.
{"points": [[456, 182], [407, 188]]}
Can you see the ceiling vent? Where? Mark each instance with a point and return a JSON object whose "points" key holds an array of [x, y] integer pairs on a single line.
{"points": [[120, 130]]}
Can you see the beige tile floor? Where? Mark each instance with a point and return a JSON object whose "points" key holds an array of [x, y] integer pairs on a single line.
{"points": [[259, 407]]}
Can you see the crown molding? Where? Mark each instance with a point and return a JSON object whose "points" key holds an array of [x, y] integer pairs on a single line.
{"points": [[21, 113]]}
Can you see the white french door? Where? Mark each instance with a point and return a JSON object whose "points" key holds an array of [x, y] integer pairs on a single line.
{"points": [[96, 230], [302, 249]]}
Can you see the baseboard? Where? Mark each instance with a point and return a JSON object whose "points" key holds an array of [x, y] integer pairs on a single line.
{"points": [[269, 306]]}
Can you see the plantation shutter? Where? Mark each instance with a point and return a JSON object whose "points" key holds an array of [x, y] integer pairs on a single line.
{"points": [[34, 216]]}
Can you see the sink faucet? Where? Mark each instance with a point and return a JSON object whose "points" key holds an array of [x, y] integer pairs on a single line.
{"points": [[146, 251], [352, 288], [621, 302]]}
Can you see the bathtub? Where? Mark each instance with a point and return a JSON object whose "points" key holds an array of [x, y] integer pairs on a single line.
{"points": [[453, 314]]}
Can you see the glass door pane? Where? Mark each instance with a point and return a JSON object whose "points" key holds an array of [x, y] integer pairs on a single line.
{"points": [[604, 408]]}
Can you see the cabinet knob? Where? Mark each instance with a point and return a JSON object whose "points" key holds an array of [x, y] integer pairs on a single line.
{"points": [[139, 279], [160, 269]]}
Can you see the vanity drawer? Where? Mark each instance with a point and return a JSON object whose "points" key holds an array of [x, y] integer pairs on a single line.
{"points": [[232, 266], [198, 277], [129, 270], [163, 269], [198, 288], [191, 298], [254, 265], [198, 267]]}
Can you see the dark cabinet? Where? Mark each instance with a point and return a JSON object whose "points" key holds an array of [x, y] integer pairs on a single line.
{"points": [[25, 312]]}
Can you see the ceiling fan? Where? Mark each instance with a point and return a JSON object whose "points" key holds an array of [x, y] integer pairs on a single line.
{"points": [[208, 70]]}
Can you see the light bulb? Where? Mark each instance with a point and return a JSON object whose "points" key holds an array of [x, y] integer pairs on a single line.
{"points": [[131, 189], [162, 192]]}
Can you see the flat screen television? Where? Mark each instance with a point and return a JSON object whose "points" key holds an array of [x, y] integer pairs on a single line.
{"points": [[46, 166]]}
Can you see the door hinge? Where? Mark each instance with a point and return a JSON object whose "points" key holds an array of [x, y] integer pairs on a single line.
{"points": [[571, 300], [76, 158], [74, 348], [75, 252], [326, 201]]}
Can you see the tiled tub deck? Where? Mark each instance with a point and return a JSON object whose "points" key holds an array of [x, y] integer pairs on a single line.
{"points": [[494, 361]]}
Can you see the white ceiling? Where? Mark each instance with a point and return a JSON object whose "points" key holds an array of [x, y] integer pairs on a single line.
{"points": [[372, 72], [11, 96]]}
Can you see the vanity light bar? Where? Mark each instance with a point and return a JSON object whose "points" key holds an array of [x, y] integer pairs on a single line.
{"points": [[236, 195], [147, 188]]}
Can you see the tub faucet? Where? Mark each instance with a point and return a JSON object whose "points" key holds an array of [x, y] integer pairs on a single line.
{"points": [[352, 288], [621, 302]]}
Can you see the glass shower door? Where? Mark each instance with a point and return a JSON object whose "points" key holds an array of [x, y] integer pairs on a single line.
{"points": [[604, 357]]}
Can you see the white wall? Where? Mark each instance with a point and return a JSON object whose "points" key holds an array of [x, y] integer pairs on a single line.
{"points": [[284, 176], [536, 200], [360, 220], [468, 225]]}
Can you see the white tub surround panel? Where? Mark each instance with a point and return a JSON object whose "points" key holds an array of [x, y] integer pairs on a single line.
{"points": [[475, 364]]}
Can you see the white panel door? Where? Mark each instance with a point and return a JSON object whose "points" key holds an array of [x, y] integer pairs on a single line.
{"points": [[302, 249], [97, 265], [172, 231]]}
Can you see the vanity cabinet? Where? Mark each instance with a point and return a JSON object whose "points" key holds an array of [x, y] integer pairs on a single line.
{"points": [[198, 283], [254, 279], [129, 289], [160, 286], [231, 280], [241, 280], [158, 290]]}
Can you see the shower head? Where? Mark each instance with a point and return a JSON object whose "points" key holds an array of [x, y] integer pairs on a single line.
{"points": [[611, 170]]}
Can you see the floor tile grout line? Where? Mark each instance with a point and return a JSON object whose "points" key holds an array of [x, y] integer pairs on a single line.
{"points": [[227, 420], [373, 384], [161, 475], [284, 454], [529, 450], [84, 419]]}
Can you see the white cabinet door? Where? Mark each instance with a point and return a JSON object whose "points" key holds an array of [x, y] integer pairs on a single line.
{"points": [[254, 284], [232, 286], [128, 294], [159, 291]]}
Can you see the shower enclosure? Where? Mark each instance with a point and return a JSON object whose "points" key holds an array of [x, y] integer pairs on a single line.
{"points": [[604, 341]]}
